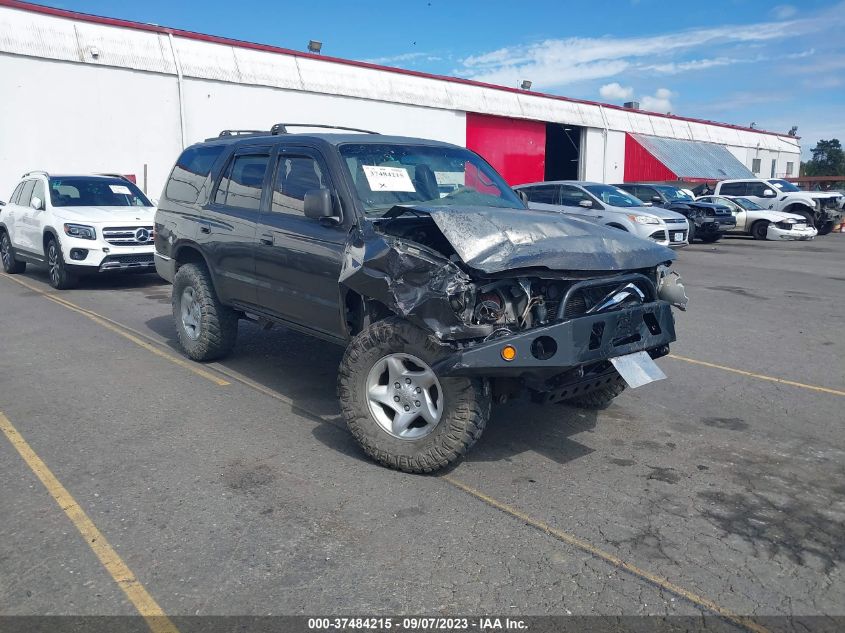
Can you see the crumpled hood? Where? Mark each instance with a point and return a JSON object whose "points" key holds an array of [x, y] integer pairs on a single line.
{"points": [[493, 240], [106, 215], [660, 212]]}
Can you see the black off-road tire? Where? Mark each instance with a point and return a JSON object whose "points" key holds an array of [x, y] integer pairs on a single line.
{"points": [[218, 323], [466, 401], [826, 228], [60, 277], [600, 398], [7, 254], [759, 229]]}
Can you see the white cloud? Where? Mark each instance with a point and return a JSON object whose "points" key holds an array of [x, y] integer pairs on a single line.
{"points": [[554, 63], [616, 92], [783, 11], [397, 59], [659, 102]]}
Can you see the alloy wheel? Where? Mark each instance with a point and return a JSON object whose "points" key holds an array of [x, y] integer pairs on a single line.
{"points": [[191, 313], [404, 396]]}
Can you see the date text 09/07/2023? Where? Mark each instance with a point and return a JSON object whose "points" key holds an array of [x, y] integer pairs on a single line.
{"points": [[417, 624]]}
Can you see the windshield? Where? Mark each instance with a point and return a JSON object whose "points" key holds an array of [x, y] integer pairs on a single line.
{"points": [[784, 185], [96, 192], [675, 193], [613, 196], [389, 174], [745, 203]]}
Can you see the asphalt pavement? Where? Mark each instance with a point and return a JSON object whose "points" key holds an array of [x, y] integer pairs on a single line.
{"points": [[234, 488]]}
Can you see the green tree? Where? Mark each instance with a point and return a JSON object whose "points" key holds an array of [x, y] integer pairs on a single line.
{"points": [[828, 159]]}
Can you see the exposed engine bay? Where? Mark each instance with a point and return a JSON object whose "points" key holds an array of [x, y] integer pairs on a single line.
{"points": [[460, 302]]}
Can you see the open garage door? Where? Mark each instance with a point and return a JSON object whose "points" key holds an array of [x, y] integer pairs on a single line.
{"points": [[563, 151]]}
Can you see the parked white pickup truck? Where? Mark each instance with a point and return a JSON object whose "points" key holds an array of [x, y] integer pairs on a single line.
{"points": [[821, 209]]}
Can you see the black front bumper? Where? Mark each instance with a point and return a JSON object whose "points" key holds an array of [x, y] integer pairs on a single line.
{"points": [[715, 225], [555, 349]]}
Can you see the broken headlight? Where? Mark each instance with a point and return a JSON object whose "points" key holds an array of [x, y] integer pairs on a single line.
{"points": [[670, 288]]}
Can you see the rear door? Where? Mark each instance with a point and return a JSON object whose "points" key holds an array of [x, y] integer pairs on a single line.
{"points": [[8, 213], [298, 259], [228, 226], [32, 230], [23, 216]]}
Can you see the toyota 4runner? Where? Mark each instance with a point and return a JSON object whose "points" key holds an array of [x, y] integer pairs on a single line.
{"points": [[448, 293]]}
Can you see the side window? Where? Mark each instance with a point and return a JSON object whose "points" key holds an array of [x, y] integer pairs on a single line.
{"points": [[732, 189], [571, 196], [755, 165], [544, 194], [191, 170], [39, 192], [242, 181], [645, 194], [295, 176], [16, 193], [757, 189], [26, 193]]}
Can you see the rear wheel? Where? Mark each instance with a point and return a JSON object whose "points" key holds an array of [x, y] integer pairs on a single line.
{"points": [[7, 254], [60, 277], [759, 229], [207, 329], [398, 409]]}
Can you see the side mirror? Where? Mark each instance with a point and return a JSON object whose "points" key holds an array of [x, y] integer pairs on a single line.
{"points": [[318, 204], [37, 203], [587, 204], [2, 204], [656, 199], [522, 195], [768, 193]]}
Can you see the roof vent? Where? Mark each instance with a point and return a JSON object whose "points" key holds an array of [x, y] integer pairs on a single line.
{"points": [[631, 105]]}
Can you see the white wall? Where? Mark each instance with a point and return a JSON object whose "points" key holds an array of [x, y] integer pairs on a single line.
{"points": [[597, 166], [71, 118], [211, 106]]}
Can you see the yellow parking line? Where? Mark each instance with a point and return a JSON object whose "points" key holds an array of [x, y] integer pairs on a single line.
{"points": [[583, 545], [146, 605], [741, 372], [121, 330]]}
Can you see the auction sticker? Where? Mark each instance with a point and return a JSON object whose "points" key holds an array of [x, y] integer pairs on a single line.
{"points": [[120, 189], [388, 178]]}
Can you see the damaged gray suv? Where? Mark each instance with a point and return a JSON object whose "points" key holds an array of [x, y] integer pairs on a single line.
{"points": [[448, 293]]}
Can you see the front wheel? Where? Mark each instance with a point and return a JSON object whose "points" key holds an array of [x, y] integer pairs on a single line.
{"points": [[207, 329], [398, 409], [760, 230], [60, 277], [826, 228], [10, 264]]}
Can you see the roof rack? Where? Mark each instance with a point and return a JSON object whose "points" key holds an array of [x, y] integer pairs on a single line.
{"points": [[281, 128], [225, 133], [37, 172]]}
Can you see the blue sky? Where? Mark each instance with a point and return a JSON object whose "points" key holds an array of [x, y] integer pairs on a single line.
{"points": [[737, 61]]}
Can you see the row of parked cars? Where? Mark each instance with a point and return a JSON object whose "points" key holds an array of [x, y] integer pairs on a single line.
{"points": [[671, 215], [448, 294]]}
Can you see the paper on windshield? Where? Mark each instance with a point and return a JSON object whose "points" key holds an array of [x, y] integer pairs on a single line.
{"points": [[120, 189], [388, 178]]}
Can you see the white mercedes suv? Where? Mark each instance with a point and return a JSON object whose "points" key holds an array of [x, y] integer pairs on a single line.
{"points": [[77, 225]]}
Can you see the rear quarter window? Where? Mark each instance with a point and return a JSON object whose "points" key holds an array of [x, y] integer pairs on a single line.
{"points": [[190, 172]]}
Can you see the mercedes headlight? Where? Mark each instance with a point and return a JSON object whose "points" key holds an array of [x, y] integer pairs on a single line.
{"points": [[81, 231]]}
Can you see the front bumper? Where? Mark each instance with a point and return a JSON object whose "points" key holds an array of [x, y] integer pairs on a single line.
{"points": [[777, 233], [165, 267], [97, 256], [554, 349]]}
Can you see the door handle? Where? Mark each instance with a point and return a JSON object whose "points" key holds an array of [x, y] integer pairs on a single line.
{"points": [[205, 229], [266, 240]]}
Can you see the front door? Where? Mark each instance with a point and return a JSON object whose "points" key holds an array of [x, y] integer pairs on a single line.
{"points": [[298, 259]]}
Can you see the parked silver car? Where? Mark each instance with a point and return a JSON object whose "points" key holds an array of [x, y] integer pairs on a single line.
{"points": [[608, 205]]}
